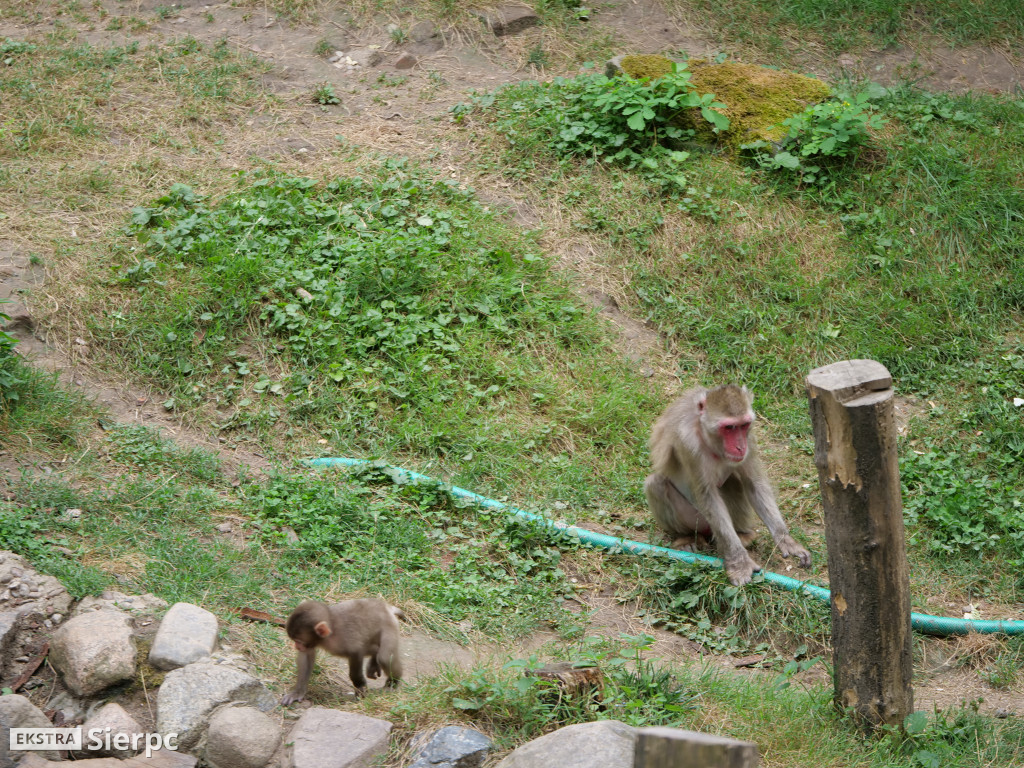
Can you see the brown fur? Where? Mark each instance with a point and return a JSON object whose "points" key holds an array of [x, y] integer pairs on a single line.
{"points": [[355, 629], [697, 490]]}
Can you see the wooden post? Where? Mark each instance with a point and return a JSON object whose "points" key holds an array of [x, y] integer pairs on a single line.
{"points": [[675, 748], [855, 452]]}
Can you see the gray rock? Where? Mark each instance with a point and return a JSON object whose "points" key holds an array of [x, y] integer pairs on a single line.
{"points": [[188, 696], [68, 707], [452, 747], [187, 633], [8, 632], [114, 717], [18, 712], [25, 592], [424, 39], [613, 66], [136, 605], [508, 19], [241, 737], [604, 744], [159, 759], [327, 738], [423, 30], [362, 58], [94, 651]]}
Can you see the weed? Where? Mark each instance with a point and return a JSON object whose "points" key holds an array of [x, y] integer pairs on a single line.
{"points": [[143, 448], [537, 57], [11, 49], [324, 95], [398, 35], [636, 123], [829, 130], [635, 691], [323, 48], [494, 566]]}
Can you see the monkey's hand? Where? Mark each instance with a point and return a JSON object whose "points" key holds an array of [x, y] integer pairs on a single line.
{"points": [[291, 697], [790, 548], [740, 569]]}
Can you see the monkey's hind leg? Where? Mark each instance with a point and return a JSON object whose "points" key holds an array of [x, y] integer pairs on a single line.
{"points": [[675, 514], [355, 673], [373, 667], [388, 659]]}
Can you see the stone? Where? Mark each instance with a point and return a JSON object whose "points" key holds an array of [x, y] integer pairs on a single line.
{"points": [[452, 747], [405, 61], [603, 744], [188, 695], [18, 712], [674, 746], [613, 67], [327, 738], [44, 596], [508, 19], [187, 633], [362, 58], [94, 651], [423, 30], [162, 758], [112, 716], [424, 39], [136, 605], [241, 737]]}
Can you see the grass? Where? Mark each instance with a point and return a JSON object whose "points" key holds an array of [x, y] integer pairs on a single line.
{"points": [[354, 302], [856, 24]]}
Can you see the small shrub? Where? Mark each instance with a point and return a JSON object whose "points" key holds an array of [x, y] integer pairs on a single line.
{"points": [[324, 95], [828, 131], [640, 124]]}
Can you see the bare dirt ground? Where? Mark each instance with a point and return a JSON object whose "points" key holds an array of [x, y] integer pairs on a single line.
{"points": [[401, 112]]}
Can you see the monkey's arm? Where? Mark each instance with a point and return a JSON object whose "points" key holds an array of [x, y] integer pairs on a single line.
{"points": [[763, 499], [304, 663], [739, 565]]}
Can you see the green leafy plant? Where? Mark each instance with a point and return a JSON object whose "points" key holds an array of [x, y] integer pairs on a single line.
{"points": [[640, 124], [11, 49], [10, 374], [826, 132], [324, 95]]}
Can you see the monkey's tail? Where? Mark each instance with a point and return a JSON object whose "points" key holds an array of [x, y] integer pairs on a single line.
{"points": [[398, 613], [922, 622]]}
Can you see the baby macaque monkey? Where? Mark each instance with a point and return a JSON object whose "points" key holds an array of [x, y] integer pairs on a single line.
{"points": [[708, 479], [354, 629]]}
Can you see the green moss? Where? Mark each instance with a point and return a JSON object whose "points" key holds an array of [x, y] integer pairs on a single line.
{"points": [[639, 67], [757, 99]]}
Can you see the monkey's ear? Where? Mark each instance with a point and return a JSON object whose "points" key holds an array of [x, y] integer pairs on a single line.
{"points": [[703, 401], [323, 629]]}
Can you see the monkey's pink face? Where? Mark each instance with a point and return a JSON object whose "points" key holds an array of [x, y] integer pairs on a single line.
{"points": [[734, 438]]}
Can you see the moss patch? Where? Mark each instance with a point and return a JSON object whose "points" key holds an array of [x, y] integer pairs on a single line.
{"points": [[757, 99], [652, 66]]}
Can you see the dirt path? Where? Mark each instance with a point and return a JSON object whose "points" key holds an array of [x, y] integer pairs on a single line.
{"points": [[400, 110]]}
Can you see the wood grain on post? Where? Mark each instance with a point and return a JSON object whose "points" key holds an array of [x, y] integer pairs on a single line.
{"points": [[675, 748], [855, 452]]}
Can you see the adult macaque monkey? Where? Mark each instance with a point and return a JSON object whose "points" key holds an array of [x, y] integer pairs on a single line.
{"points": [[708, 479], [354, 629]]}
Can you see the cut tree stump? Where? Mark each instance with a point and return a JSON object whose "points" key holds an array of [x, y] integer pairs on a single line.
{"points": [[851, 406], [675, 748]]}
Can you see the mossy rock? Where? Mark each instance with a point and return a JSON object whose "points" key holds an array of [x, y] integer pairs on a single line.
{"points": [[646, 65], [757, 99]]}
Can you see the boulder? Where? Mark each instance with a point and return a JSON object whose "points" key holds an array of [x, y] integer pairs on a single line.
{"points": [[604, 744], [94, 651], [187, 633]]}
